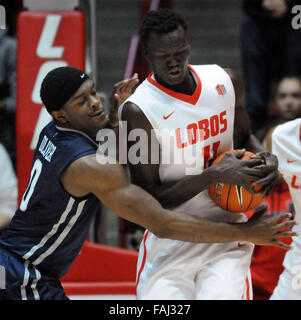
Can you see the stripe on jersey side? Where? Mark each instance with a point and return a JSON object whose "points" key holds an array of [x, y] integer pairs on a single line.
{"points": [[63, 235], [52, 232], [33, 284], [143, 259], [25, 281]]}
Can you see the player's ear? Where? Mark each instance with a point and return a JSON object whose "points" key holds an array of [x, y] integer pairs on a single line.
{"points": [[60, 116]]}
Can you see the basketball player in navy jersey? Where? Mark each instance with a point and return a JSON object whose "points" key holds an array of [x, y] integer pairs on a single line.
{"points": [[192, 102], [64, 191]]}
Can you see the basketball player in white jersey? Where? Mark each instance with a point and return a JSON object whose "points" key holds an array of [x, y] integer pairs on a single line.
{"points": [[191, 101], [286, 145]]}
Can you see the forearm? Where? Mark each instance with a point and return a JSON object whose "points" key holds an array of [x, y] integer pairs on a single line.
{"points": [[193, 229], [137, 206], [171, 195]]}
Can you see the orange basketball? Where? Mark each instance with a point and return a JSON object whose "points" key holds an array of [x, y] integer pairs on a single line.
{"points": [[234, 198]]}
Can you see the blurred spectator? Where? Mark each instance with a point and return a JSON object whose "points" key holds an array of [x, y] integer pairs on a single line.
{"points": [[266, 265], [285, 107], [8, 189], [7, 92], [271, 49]]}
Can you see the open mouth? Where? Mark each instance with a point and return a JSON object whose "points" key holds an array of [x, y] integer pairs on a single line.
{"points": [[96, 114], [174, 72]]}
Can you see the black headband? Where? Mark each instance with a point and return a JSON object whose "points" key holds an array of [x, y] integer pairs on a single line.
{"points": [[59, 85]]}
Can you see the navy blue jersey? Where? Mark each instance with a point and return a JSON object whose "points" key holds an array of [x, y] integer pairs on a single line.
{"points": [[50, 226]]}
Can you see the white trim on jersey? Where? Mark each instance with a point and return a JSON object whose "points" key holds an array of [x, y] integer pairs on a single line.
{"points": [[54, 246], [77, 131], [52, 232], [34, 285], [25, 281], [62, 236]]}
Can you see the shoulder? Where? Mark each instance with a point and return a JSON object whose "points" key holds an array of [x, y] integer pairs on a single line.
{"points": [[129, 110], [134, 116], [63, 146], [208, 67], [287, 131], [286, 137]]}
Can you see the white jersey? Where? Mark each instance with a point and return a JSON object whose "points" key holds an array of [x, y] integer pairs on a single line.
{"points": [[286, 145], [199, 127], [201, 123]]}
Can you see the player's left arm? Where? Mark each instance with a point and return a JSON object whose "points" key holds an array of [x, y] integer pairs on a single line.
{"points": [[244, 138]]}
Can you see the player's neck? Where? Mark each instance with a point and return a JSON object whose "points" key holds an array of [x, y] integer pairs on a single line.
{"points": [[188, 85]]}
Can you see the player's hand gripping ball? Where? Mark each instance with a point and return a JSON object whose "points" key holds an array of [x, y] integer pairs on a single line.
{"points": [[235, 198]]}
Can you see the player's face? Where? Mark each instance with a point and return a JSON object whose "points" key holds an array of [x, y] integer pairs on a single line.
{"points": [[288, 99], [168, 55], [84, 110]]}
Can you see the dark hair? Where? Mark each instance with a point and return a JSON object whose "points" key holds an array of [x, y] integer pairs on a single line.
{"points": [[160, 21], [289, 77]]}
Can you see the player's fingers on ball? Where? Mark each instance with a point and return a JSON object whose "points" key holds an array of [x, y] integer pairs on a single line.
{"points": [[255, 173], [256, 156], [264, 168], [239, 153], [252, 163], [264, 181]]}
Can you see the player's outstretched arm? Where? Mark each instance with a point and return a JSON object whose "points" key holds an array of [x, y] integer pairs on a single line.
{"points": [[109, 183]]}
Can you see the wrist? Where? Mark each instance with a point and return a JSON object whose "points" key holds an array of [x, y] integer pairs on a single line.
{"points": [[213, 174], [241, 231]]}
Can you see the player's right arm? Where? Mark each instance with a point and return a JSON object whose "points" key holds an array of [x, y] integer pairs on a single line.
{"points": [[109, 183]]}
